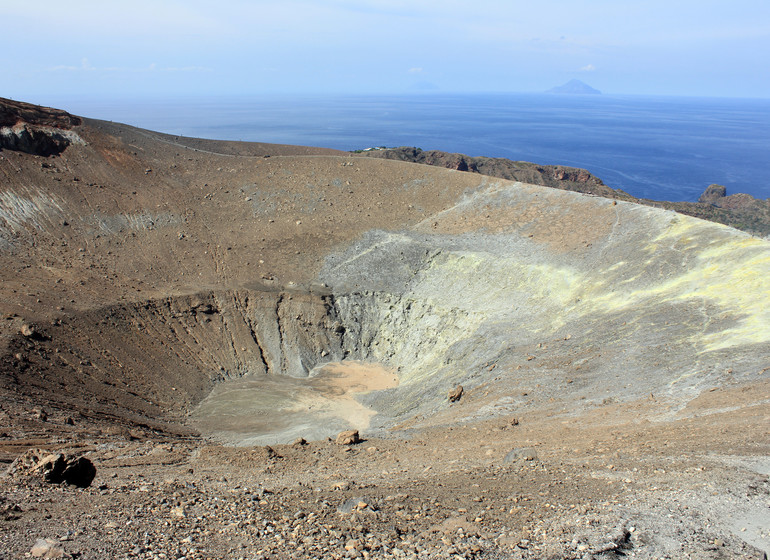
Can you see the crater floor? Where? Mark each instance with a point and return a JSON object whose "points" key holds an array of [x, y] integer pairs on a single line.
{"points": [[266, 410]]}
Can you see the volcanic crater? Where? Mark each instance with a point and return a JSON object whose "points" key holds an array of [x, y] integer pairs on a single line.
{"points": [[168, 297]]}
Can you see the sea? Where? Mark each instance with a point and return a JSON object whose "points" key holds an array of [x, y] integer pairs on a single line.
{"points": [[662, 148]]}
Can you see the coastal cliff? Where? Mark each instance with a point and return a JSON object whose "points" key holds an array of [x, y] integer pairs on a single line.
{"points": [[741, 211]]}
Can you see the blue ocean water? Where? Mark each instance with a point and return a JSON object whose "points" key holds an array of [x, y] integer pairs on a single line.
{"points": [[664, 148]]}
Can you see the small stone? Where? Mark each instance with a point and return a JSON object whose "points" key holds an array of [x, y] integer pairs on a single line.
{"points": [[28, 330], [354, 504], [520, 454], [299, 442], [134, 435], [47, 548], [455, 394], [348, 437]]}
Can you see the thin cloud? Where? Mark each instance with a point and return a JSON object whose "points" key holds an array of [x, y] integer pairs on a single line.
{"points": [[587, 68], [86, 66], [186, 69], [415, 70]]}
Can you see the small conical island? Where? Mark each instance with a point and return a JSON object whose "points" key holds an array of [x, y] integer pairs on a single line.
{"points": [[575, 87]]}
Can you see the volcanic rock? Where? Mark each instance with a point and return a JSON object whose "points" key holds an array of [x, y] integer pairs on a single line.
{"points": [[713, 194], [455, 394], [348, 437], [15, 112], [520, 454], [47, 548], [355, 504], [54, 468]]}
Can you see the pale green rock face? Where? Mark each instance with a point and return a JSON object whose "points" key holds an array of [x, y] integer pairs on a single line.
{"points": [[666, 304]]}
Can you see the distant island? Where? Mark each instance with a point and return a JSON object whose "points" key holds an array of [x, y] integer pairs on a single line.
{"points": [[575, 87]]}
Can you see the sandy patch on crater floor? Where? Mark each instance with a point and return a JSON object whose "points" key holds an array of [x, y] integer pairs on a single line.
{"points": [[262, 410]]}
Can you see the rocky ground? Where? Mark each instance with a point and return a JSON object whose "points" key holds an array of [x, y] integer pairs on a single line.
{"points": [[605, 484], [613, 358]]}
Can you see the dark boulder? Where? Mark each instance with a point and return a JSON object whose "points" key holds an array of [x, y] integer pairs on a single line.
{"points": [[54, 468], [58, 468]]}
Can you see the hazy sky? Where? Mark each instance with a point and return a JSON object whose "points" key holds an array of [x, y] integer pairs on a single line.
{"points": [[168, 48]]}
